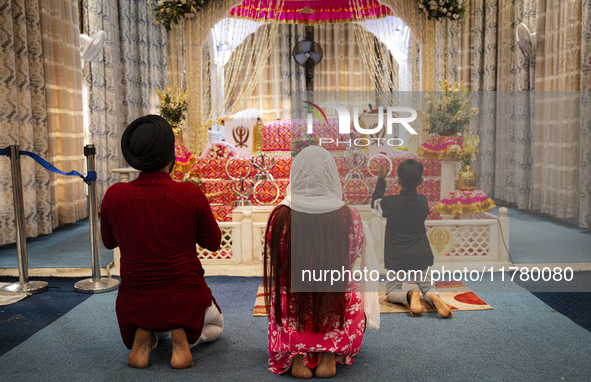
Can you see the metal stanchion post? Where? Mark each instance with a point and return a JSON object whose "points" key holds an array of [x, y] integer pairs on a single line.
{"points": [[24, 285], [96, 284]]}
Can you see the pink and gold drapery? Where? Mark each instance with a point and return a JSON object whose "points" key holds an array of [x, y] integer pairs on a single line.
{"points": [[309, 11]]}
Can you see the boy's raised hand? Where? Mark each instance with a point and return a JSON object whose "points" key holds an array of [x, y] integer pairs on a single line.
{"points": [[383, 172]]}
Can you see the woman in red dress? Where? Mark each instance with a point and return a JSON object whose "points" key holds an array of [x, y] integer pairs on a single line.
{"points": [[314, 326], [156, 223]]}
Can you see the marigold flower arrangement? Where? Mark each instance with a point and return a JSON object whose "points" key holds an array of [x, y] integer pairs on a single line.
{"points": [[468, 153], [168, 12], [454, 10], [173, 104], [449, 111]]}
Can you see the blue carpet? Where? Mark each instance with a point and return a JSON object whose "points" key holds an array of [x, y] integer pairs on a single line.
{"points": [[571, 298], [522, 339], [21, 320], [67, 247], [536, 238]]}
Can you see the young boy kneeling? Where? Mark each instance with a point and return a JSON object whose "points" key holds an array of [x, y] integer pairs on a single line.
{"points": [[406, 246]]}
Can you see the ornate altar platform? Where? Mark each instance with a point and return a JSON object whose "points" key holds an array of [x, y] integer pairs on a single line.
{"points": [[473, 243]]}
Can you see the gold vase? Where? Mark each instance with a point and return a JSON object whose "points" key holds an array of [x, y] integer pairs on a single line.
{"points": [[178, 133], [466, 179]]}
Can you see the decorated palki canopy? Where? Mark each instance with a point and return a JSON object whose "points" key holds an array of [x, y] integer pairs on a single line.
{"points": [[310, 11]]}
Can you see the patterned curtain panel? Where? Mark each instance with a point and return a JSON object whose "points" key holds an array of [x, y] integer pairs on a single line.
{"points": [[483, 53], [541, 163], [585, 132], [483, 81], [23, 117], [514, 122], [557, 132], [143, 60], [122, 80], [41, 110], [63, 95], [103, 79]]}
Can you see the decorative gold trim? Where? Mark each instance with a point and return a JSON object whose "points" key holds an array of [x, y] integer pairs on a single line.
{"points": [[257, 137]]}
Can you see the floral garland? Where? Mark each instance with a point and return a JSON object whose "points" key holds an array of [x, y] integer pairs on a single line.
{"points": [[195, 178], [173, 104], [168, 12], [301, 142], [454, 10], [467, 154], [448, 111]]}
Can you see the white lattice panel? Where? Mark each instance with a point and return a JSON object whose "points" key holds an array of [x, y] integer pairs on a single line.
{"points": [[463, 240], [225, 251], [258, 240]]}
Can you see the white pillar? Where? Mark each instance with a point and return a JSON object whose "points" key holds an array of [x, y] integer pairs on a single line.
{"points": [[246, 237], [504, 235], [447, 177]]}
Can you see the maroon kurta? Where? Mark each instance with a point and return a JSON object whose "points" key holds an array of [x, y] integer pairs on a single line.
{"points": [[156, 222]]}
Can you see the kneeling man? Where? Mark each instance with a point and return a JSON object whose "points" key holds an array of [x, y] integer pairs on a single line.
{"points": [[156, 222]]}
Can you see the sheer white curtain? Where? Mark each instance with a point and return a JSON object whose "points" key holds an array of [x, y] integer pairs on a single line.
{"points": [[281, 76], [342, 68]]}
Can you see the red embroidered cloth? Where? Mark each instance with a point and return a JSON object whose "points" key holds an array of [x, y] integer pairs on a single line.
{"points": [[464, 202], [439, 147]]}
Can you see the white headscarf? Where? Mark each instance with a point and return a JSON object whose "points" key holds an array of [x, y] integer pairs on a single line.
{"points": [[315, 188], [314, 184]]}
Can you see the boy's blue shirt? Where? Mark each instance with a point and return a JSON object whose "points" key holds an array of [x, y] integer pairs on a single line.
{"points": [[406, 246]]}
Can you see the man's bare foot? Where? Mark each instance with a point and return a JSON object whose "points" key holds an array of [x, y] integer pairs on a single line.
{"points": [[416, 309], [442, 308], [327, 368], [181, 352], [140, 351], [298, 369]]}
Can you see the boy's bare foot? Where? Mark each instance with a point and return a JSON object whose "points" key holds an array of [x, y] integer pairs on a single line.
{"points": [[181, 352], [327, 368], [140, 351], [298, 369], [442, 308], [416, 309]]}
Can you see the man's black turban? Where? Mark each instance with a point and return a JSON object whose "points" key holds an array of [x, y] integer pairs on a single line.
{"points": [[148, 143]]}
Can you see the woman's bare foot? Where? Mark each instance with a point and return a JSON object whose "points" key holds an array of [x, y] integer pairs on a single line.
{"points": [[416, 309], [181, 352], [140, 351], [298, 369], [327, 368], [442, 308]]}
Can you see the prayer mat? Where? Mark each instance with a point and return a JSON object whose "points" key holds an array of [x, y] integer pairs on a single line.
{"points": [[453, 293]]}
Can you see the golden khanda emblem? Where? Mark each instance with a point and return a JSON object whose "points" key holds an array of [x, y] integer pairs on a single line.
{"points": [[441, 240], [375, 137], [240, 134]]}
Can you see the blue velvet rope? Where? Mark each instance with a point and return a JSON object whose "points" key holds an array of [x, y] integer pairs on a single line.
{"points": [[90, 177]]}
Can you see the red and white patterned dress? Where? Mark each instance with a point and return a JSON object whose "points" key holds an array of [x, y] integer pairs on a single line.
{"points": [[287, 341]]}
